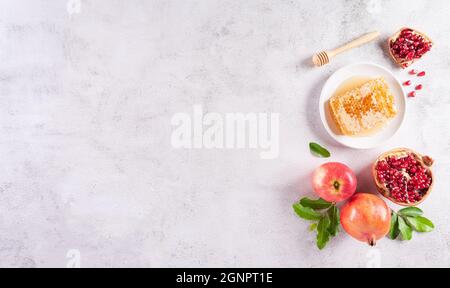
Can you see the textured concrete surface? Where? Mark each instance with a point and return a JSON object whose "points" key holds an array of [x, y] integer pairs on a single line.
{"points": [[87, 93]]}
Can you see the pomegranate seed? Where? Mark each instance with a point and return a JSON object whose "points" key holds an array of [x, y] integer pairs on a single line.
{"points": [[410, 55], [407, 83], [421, 74], [413, 72], [418, 87], [412, 94]]}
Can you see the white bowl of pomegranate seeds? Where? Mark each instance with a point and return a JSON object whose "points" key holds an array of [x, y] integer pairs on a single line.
{"points": [[403, 176], [408, 45]]}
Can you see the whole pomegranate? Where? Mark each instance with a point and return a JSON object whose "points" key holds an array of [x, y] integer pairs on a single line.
{"points": [[334, 182], [366, 217]]}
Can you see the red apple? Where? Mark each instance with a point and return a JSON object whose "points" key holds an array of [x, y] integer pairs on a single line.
{"points": [[334, 182]]}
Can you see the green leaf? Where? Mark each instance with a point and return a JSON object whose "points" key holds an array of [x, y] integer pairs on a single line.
{"points": [[420, 224], [323, 236], [315, 204], [306, 212], [319, 150], [394, 231], [313, 227], [333, 214], [410, 211], [405, 230]]}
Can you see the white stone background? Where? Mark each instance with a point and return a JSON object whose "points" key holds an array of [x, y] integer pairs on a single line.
{"points": [[85, 106]]}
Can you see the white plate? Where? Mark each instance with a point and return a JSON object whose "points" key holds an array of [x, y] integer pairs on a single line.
{"points": [[371, 71]]}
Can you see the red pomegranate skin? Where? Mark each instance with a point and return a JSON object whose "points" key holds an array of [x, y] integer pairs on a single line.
{"points": [[334, 182], [366, 217]]}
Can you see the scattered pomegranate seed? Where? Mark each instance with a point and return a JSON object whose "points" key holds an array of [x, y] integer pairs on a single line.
{"points": [[418, 87], [413, 72], [407, 83], [421, 74], [412, 94]]}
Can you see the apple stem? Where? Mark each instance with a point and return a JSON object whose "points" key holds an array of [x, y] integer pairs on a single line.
{"points": [[336, 185]]}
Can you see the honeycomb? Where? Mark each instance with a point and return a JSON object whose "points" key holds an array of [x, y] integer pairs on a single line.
{"points": [[363, 109]]}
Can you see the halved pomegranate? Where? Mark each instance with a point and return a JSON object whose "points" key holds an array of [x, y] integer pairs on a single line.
{"points": [[403, 176], [408, 45]]}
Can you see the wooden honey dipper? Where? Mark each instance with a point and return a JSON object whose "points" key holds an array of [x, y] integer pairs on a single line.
{"points": [[324, 57]]}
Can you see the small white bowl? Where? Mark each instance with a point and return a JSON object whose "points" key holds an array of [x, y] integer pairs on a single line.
{"points": [[368, 70]]}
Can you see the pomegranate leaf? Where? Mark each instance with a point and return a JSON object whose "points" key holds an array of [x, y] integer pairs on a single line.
{"points": [[313, 227], [394, 231], [306, 212], [328, 220], [420, 224], [323, 236], [315, 204], [333, 213], [406, 220], [318, 150], [405, 230], [410, 211]]}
